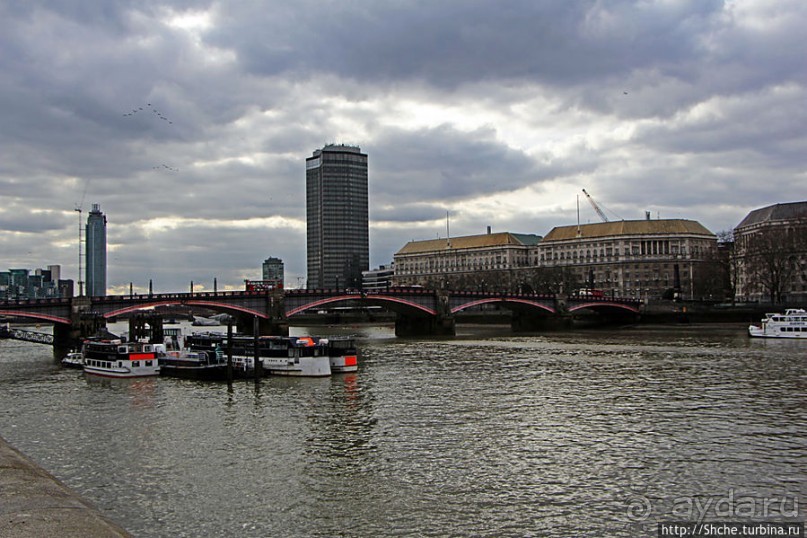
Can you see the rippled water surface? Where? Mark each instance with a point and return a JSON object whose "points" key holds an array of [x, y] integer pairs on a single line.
{"points": [[486, 434]]}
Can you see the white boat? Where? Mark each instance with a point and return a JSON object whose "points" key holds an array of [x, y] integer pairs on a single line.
{"points": [[114, 358], [791, 324], [74, 359], [302, 356], [342, 354]]}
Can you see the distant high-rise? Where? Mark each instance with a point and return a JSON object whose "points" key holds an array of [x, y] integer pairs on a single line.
{"points": [[273, 272], [337, 217], [96, 252]]}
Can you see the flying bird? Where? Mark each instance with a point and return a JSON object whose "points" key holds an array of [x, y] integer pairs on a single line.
{"points": [[157, 112]]}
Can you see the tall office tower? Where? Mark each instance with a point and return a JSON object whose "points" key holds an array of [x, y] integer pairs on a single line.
{"points": [[96, 252], [272, 272], [337, 217]]}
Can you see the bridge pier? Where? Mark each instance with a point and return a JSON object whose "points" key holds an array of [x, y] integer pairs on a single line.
{"points": [[529, 322], [84, 323], [443, 323], [266, 327], [146, 326], [425, 325]]}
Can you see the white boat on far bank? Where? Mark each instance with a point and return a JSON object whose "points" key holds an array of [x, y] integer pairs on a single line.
{"points": [[791, 324]]}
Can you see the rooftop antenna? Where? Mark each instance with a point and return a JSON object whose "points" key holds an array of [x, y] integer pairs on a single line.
{"points": [[448, 232]]}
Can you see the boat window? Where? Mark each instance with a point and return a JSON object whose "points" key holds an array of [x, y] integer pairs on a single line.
{"points": [[121, 349], [148, 363], [135, 364]]}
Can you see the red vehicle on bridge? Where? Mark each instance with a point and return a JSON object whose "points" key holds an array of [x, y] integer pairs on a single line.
{"points": [[263, 285], [589, 292]]}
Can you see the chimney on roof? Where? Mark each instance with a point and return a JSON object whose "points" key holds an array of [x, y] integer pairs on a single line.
{"points": [[488, 230], [647, 215]]}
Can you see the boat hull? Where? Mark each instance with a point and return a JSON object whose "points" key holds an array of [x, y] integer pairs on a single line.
{"points": [[120, 372], [298, 366], [758, 332], [343, 364], [192, 365], [207, 373]]}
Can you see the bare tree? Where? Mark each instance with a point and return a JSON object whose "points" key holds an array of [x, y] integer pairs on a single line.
{"points": [[551, 280], [771, 259]]}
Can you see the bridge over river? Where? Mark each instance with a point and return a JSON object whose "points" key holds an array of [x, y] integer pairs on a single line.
{"points": [[418, 311]]}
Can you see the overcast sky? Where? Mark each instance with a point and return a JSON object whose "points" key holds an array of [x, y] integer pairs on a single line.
{"points": [[189, 122]]}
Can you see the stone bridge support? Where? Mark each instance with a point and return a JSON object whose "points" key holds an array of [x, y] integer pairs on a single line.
{"points": [[266, 327], [276, 325], [146, 326], [443, 324], [525, 321], [84, 323], [406, 325]]}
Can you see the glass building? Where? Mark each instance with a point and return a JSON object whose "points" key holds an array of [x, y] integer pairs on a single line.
{"points": [[337, 217], [96, 253]]}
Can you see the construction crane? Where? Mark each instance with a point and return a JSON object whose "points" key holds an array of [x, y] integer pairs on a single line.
{"points": [[595, 206], [78, 208]]}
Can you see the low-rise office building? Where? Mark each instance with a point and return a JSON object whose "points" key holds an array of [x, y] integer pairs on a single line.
{"points": [[378, 279], [770, 254], [469, 262], [646, 259]]}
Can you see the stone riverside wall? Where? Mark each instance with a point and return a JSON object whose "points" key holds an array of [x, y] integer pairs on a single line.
{"points": [[33, 503]]}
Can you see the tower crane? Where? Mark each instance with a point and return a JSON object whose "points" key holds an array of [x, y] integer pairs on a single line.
{"points": [[595, 206], [78, 208]]}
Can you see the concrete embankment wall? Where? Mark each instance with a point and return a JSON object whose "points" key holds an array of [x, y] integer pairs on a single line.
{"points": [[34, 504]]}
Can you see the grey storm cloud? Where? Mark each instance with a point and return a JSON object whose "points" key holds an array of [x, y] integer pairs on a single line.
{"points": [[189, 121], [453, 42], [415, 164]]}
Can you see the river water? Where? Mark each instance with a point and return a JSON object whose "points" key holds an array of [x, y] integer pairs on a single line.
{"points": [[583, 433]]}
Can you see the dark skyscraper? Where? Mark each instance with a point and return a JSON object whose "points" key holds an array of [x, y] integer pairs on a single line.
{"points": [[337, 217], [96, 252]]}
